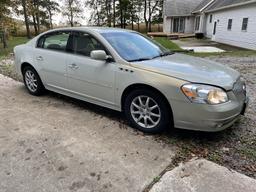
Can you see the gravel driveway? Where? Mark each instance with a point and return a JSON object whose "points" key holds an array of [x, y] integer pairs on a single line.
{"points": [[54, 143], [69, 144]]}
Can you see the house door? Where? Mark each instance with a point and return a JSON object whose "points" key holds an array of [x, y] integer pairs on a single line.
{"points": [[178, 25], [214, 30], [182, 25], [176, 22]]}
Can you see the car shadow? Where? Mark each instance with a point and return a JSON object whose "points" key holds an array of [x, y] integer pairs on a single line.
{"points": [[169, 134]]}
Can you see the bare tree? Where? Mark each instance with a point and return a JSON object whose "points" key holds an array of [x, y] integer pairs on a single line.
{"points": [[51, 7], [150, 7], [72, 9], [24, 7], [4, 12]]}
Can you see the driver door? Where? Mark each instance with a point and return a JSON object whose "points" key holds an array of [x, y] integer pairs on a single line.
{"points": [[89, 78]]}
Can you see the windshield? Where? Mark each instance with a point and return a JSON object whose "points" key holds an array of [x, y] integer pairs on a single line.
{"points": [[134, 47]]}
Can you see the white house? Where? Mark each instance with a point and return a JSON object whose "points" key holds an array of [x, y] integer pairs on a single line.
{"points": [[226, 21]]}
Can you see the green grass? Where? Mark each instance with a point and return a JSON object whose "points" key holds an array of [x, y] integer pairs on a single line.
{"points": [[241, 53], [12, 42], [167, 43]]}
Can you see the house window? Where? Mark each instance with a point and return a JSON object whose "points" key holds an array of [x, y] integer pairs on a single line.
{"points": [[197, 25], [210, 18], [230, 24], [245, 24]]}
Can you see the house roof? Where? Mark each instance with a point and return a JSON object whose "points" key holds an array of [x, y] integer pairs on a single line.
{"points": [[202, 5], [180, 7], [218, 4], [187, 7]]}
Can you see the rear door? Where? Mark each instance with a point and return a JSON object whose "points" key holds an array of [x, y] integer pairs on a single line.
{"points": [[50, 55]]}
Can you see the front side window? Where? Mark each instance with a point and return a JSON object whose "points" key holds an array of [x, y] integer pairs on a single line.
{"points": [[132, 46], [84, 44], [230, 24], [245, 24], [55, 41]]}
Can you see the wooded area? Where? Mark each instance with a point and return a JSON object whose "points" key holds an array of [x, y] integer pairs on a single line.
{"points": [[112, 13]]}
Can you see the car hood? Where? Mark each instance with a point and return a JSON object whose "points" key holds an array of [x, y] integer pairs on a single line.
{"points": [[192, 69]]}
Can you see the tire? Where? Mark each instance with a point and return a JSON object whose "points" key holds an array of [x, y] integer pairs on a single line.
{"points": [[32, 81], [149, 118]]}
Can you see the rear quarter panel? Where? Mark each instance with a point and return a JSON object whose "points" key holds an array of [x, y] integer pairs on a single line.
{"points": [[24, 54]]}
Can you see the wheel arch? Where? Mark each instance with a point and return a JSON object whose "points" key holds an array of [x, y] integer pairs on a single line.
{"points": [[133, 87], [26, 64]]}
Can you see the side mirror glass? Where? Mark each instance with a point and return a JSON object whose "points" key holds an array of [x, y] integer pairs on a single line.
{"points": [[99, 55]]}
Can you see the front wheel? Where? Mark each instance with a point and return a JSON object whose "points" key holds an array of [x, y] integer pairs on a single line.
{"points": [[147, 111]]}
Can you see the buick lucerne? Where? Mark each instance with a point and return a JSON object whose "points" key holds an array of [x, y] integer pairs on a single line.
{"points": [[126, 71]]}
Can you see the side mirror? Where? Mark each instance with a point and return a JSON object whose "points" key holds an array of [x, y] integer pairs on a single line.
{"points": [[99, 55]]}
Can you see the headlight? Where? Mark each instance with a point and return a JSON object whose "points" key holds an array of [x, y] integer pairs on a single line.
{"points": [[198, 93]]}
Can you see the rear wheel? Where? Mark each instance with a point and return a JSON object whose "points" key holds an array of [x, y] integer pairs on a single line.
{"points": [[32, 81], [147, 111]]}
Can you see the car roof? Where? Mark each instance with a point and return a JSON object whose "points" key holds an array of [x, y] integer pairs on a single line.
{"points": [[93, 29]]}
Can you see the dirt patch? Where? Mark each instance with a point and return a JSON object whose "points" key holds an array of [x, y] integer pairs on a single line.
{"points": [[7, 68]]}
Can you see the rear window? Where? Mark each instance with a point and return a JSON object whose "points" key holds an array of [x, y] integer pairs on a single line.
{"points": [[55, 41]]}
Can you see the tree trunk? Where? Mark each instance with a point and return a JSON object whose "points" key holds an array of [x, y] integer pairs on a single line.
{"points": [[26, 18], [5, 39], [108, 12], [149, 24], [149, 16], [37, 17], [132, 16], [121, 18], [114, 13], [50, 19], [34, 24], [71, 18], [71, 13], [145, 15]]}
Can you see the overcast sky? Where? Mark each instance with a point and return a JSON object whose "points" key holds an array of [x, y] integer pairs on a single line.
{"points": [[58, 18]]}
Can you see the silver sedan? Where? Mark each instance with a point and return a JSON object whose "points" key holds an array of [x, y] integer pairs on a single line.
{"points": [[126, 71]]}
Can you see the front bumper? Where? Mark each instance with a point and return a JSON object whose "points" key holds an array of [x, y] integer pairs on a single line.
{"points": [[209, 118]]}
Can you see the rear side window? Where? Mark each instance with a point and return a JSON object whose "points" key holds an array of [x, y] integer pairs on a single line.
{"points": [[55, 41]]}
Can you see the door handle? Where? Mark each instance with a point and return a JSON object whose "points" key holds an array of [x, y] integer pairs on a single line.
{"points": [[73, 66], [39, 58]]}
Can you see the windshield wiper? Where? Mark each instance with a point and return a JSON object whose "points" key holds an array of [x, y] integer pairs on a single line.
{"points": [[140, 59], [167, 53], [146, 58], [163, 54]]}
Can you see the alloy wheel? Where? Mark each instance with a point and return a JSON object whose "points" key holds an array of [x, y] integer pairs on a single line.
{"points": [[31, 81], [145, 111]]}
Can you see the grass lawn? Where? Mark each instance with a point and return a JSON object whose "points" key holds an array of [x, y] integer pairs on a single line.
{"points": [[167, 43], [241, 53], [12, 42]]}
